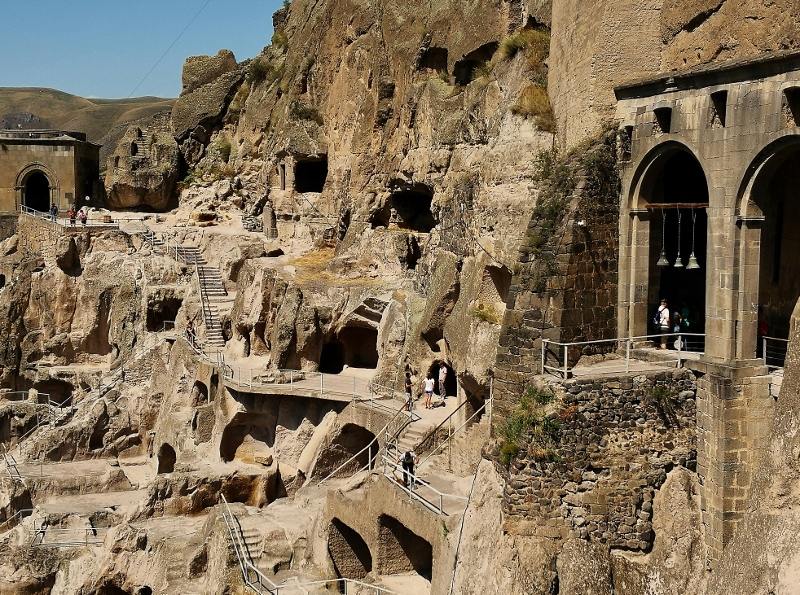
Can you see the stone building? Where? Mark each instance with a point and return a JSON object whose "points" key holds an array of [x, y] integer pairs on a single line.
{"points": [[42, 167], [709, 180]]}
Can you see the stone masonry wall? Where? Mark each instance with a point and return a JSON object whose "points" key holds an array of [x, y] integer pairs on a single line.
{"points": [[577, 302], [619, 438]]}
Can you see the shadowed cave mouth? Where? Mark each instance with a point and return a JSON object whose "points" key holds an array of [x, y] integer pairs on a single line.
{"points": [[464, 69], [161, 311], [355, 347], [402, 550], [60, 391], [310, 174], [408, 208], [166, 459], [348, 551], [450, 382]]}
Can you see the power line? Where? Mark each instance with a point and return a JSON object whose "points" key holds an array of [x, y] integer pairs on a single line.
{"points": [[169, 48]]}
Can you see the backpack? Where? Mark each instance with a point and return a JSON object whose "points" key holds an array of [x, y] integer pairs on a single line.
{"points": [[657, 319], [408, 458]]}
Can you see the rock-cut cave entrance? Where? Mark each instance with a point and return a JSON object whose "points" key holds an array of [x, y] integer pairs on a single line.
{"points": [[37, 192], [310, 174], [355, 347], [402, 550], [348, 551], [166, 459], [408, 208], [450, 381]]}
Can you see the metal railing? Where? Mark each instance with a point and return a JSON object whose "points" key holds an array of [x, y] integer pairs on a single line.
{"points": [[418, 482], [773, 352], [61, 220], [262, 584], [683, 342], [11, 465], [487, 405], [85, 535], [394, 426]]}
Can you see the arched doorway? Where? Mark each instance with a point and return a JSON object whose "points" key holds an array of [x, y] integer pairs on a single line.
{"points": [[37, 192], [670, 202], [769, 206]]}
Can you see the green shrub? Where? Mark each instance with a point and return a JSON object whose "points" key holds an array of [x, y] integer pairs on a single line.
{"points": [[533, 102], [262, 69], [280, 39], [541, 397], [305, 111], [287, 3], [224, 148], [487, 314], [529, 418]]}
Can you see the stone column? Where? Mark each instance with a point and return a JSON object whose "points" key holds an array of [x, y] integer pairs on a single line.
{"points": [[734, 413]]}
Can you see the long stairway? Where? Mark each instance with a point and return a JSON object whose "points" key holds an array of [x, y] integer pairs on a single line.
{"points": [[211, 286]]}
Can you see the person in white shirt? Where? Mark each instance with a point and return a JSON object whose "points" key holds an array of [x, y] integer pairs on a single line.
{"points": [[663, 322], [429, 382]]}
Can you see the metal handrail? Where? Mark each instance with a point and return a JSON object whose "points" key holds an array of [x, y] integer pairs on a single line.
{"points": [[419, 481], [17, 514], [565, 369], [777, 355], [48, 218], [41, 531], [246, 566], [381, 449], [452, 434]]}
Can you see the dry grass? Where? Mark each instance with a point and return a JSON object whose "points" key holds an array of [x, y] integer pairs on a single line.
{"points": [[311, 271], [533, 102], [95, 117], [536, 46]]}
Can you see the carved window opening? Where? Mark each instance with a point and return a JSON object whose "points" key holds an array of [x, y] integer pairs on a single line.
{"points": [[719, 109], [791, 106], [663, 119]]}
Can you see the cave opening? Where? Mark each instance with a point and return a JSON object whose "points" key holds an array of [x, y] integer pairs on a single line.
{"points": [[161, 313], [331, 361], [450, 381], [413, 209], [310, 174], [464, 69], [434, 58], [59, 391], [166, 459], [402, 550], [348, 551], [247, 437], [360, 346]]}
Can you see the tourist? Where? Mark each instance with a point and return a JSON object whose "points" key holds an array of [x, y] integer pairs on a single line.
{"points": [[663, 319], [442, 378], [409, 396], [409, 461], [677, 328], [190, 332], [82, 217], [71, 214], [429, 382], [54, 212]]}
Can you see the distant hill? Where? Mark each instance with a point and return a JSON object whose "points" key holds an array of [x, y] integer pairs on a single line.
{"points": [[36, 107]]}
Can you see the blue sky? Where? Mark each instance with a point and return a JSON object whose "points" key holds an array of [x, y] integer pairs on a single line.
{"points": [[105, 48]]}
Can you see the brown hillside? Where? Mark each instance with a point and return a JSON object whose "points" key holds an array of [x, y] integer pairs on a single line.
{"points": [[95, 117]]}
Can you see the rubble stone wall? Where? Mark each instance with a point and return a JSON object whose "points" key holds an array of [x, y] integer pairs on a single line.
{"points": [[619, 437]]}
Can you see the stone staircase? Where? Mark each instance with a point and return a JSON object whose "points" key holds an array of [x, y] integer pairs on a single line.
{"points": [[211, 286]]}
